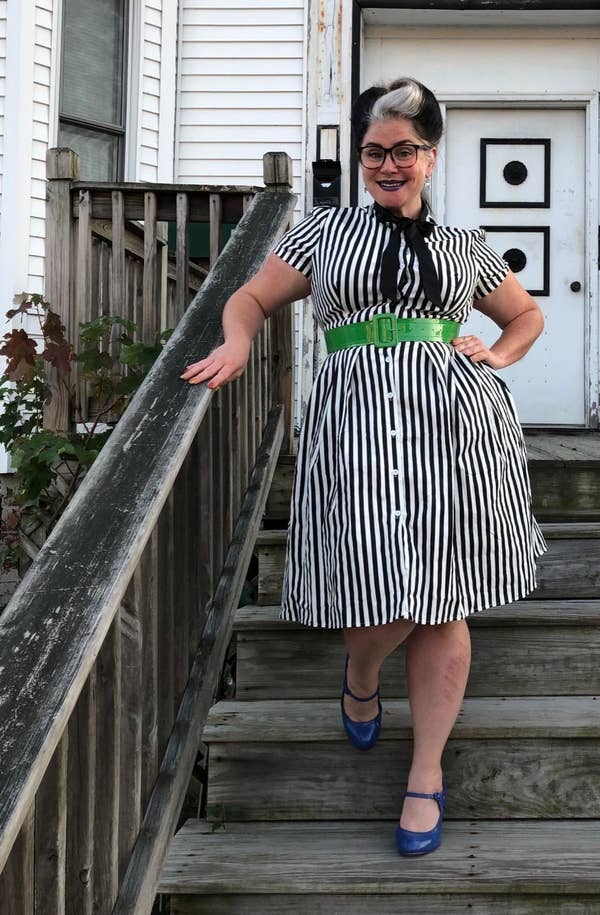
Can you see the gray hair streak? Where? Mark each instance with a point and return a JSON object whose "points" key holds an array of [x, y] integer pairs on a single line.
{"points": [[404, 102]]}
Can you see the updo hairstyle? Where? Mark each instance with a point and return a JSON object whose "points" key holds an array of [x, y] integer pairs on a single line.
{"points": [[403, 98]]}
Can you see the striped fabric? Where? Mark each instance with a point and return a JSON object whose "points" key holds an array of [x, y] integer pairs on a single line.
{"points": [[411, 496]]}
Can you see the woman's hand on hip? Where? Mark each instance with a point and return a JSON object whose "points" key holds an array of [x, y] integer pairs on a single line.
{"points": [[476, 350], [226, 363]]}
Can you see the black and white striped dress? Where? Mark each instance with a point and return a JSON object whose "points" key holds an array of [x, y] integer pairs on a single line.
{"points": [[411, 496]]}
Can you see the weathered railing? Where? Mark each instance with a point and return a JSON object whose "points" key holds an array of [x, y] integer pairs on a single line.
{"points": [[124, 617], [107, 253]]}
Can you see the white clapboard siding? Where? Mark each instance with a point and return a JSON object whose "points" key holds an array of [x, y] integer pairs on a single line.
{"points": [[241, 93], [3, 11], [42, 72], [240, 81], [147, 168]]}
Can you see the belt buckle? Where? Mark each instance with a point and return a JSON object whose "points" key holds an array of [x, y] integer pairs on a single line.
{"points": [[383, 330]]}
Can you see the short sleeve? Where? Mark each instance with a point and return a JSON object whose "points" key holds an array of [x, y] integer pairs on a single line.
{"points": [[298, 245], [491, 268]]}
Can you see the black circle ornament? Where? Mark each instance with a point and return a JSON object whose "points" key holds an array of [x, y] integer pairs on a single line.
{"points": [[515, 172], [516, 259]]}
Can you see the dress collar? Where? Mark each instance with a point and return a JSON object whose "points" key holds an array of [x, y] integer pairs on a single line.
{"points": [[384, 215]]}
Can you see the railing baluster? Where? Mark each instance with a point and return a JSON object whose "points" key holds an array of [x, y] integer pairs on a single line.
{"points": [[50, 834], [166, 590], [108, 717], [216, 217], [182, 281], [118, 254], [138, 297], [146, 597], [228, 516], [259, 381], [118, 298], [236, 479], [206, 515], [193, 546], [264, 369], [243, 426], [132, 700], [217, 481], [251, 372], [17, 896], [83, 296], [150, 311], [180, 591], [81, 796]]}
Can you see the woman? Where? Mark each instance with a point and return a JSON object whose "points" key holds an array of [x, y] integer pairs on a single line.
{"points": [[411, 503]]}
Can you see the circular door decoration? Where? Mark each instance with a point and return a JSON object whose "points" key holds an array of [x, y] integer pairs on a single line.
{"points": [[526, 249], [514, 173], [516, 259]]}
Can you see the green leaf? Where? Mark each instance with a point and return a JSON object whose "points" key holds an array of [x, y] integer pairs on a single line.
{"points": [[140, 355], [92, 361], [93, 331]]}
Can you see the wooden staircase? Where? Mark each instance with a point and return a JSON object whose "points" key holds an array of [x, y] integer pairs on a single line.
{"points": [[308, 821]]}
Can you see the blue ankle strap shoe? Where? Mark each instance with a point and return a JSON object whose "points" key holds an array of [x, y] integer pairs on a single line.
{"points": [[421, 843], [363, 734]]}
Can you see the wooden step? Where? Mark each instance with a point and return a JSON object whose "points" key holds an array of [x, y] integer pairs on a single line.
{"points": [[506, 758], [563, 469], [564, 474], [482, 867], [526, 648], [569, 569]]}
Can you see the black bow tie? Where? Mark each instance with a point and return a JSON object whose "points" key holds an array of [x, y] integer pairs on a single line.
{"points": [[415, 233]]}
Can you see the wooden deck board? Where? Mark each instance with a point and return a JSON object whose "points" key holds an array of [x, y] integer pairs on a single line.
{"points": [[557, 446], [302, 721], [379, 904], [360, 857], [552, 612]]}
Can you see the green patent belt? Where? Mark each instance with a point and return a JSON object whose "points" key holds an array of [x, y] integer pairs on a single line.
{"points": [[387, 330]]}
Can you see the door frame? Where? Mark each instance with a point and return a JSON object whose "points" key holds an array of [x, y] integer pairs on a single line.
{"points": [[588, 101]]}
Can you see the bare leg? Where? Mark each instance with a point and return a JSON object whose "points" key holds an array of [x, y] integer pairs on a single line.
{"points": [[368, 647], [437, 666]]}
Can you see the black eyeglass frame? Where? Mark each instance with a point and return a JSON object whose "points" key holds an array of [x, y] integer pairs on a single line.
{"points": [[390, 150]]}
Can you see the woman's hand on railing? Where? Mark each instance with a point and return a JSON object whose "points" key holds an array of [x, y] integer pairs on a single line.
{"points": [[226, 363]]}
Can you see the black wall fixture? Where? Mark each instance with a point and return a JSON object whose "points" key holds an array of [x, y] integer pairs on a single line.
{"points": [[520, 252], [515, 173]]}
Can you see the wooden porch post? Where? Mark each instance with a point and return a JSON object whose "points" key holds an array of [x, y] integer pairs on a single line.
{"points": [[277, 172], [62, 168]]}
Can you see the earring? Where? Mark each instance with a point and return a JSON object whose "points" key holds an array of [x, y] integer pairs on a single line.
{"points": [[427, 183]]}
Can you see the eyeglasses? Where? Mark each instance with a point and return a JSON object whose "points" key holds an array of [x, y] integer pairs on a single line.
{"points": [[402, 154]]}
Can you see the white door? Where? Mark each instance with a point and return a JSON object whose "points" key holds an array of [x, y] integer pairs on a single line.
{"points": [[520, 173]]}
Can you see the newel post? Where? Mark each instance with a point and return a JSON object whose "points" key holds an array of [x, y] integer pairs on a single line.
{"points": [[277, 176], [62, 169]]}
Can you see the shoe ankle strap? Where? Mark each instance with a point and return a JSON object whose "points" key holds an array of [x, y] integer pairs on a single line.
{"points": [[349, 691], [360, 698], [436, 796]]}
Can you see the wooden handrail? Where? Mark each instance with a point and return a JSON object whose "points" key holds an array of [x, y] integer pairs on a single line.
{"points": [[59, 622]]}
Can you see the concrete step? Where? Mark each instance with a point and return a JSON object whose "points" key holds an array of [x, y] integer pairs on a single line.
{"points": [[569, 569], [505, 759], [526, 648], [330, 868]]}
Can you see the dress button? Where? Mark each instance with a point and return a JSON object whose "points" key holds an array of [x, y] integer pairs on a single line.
{"points": [[395, 472], [397, 514], [388, 358], [393, 432], [390, 393]]}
